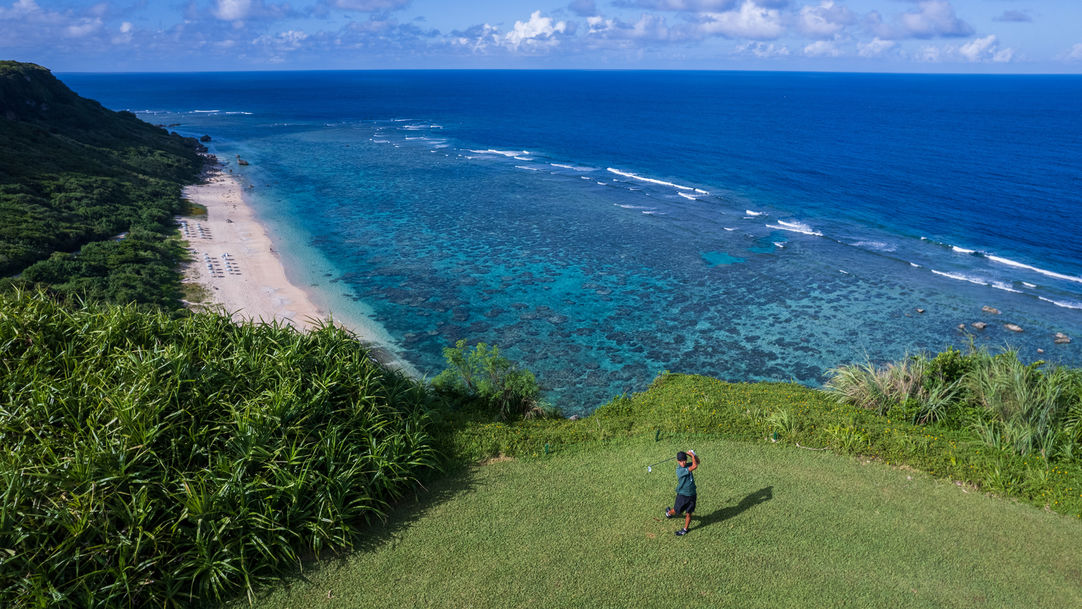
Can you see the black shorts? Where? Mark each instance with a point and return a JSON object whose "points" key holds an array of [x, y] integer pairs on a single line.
{"points": [[684, 504]]}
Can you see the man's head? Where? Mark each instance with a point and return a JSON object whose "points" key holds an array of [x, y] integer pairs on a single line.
{"points": [[682, 458]]}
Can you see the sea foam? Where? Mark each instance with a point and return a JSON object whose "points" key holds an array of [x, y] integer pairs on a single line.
{"points": [[634, 176], [1028, 267], [795, 227]]}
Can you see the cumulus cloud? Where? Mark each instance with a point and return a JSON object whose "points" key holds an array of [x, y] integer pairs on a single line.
{"points": [[83, 27], [750, 21], [649, 28], [763, 49], [978, 50], [930, 19], [125, 34], [233, 10], [584, 8], [1014, 16], [1075, 54], [934, 18], [826, 20], [538, 32], [283, 41], [985, 49], [690, 6], [368, 6], [822, 48], [875, 48]]}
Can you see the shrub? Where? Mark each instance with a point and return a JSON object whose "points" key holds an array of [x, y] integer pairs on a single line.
{"points": [[480, 377]]}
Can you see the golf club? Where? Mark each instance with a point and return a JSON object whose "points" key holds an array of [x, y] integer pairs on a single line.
{"points": [[650, 468]]}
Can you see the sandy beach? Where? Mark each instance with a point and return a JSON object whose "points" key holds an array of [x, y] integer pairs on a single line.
{"points": [[235, 261]]}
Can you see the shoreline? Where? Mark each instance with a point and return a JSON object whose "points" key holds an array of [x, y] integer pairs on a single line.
{"points": [[243, 276]]}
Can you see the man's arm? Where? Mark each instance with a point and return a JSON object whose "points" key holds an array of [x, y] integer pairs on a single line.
{"points": [[694, 461]]}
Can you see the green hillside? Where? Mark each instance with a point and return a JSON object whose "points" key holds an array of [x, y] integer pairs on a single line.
{"points": [[776, 527], [74, 178]]}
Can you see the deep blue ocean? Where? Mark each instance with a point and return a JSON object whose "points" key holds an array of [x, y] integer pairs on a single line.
{"points": [[602, 227]]}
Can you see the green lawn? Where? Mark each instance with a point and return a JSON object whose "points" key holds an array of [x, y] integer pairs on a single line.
{"points": [[776, 526]]}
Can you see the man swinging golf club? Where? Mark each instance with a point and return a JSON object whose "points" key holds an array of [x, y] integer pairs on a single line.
{"points": [[685, 489]]}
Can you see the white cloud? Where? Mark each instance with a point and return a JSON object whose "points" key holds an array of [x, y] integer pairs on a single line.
{"points": [[83, 27], [822, 48], [125, 34], [749, 21], [283, 41], [1075, 54], [931, 19], [649, 28], [538, 32], [985, 49], [233, 10], [369, 6], [875, 48], [691, 6], [930, 54], [762, 49], [826, 20]]}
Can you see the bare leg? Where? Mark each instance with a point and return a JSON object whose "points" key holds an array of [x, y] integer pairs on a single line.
{"points": [[687, 520]]}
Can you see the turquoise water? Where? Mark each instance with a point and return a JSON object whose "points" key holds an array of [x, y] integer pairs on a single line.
{"points": [[604, 227]]}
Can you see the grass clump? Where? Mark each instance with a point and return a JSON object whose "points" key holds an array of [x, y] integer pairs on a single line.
{"points": [[156, 461], [1024, 409]]}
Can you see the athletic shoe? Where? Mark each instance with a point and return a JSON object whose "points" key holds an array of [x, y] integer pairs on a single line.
{"points": [[668, 512], [681, 532]]}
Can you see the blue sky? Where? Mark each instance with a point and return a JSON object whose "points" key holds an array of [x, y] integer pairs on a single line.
{"points": [[979, 36]]}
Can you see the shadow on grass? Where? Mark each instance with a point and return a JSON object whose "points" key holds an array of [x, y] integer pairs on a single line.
{"points": [[753, 499]]}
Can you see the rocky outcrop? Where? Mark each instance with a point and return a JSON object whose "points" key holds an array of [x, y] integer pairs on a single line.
{"points": [[1013, 327], [992, 310], [1062, 339], [205, 138], [241, 162], [980, 325]]}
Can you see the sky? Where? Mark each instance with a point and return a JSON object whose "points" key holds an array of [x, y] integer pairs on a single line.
{"points": [[955, 36]]}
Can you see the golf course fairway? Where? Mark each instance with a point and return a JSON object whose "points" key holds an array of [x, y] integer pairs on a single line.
{"points": [[776, 526]]}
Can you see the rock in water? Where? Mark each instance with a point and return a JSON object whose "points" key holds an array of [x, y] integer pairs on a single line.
{"points": [[920, 310], [1062, 339], [1013, 327], [992, 310], [980, 325], [962, 327]]}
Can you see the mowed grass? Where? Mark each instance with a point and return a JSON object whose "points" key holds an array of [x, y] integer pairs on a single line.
{"points": [[776, 526]]}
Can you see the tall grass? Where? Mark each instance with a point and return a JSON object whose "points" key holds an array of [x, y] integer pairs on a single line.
{"points": [[1009, 405], [156, 461]]}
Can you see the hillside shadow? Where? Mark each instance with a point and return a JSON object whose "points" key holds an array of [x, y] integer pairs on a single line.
{"points": [[751, 500]]}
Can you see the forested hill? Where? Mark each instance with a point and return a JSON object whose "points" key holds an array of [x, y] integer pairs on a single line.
{"points": [[73, 177]]}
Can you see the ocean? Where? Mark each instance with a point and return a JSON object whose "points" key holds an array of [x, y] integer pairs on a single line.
{"points": [[602, 227]]}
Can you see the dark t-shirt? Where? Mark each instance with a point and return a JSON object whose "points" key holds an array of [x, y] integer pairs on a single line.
{"points": [[685, 482]]}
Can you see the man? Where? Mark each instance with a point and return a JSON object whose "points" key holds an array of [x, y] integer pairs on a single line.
{"points": [[685, 489]]}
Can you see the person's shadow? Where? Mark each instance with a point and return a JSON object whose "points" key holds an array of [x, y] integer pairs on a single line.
{"points": [[753, 499]]}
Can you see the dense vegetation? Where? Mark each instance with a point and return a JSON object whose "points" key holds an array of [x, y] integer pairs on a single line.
{"points": [[156, 461], [88, 195], [1028, 409]]}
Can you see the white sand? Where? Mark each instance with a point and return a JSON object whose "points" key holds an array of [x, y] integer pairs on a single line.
{"points": [[235, 261]]}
